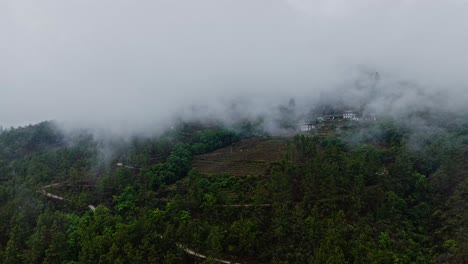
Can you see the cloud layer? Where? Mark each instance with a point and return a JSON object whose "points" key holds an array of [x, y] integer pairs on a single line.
{"points": [[132, 65]]}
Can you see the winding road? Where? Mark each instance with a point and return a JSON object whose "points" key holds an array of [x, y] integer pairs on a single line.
{"points": [[44, 192], [187, 250]]}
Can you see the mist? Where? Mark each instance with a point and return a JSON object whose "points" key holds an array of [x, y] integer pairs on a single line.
{"points": [[125, 67]]}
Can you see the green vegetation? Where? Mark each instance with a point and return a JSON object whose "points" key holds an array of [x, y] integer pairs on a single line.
{"points": [[377, 199]]}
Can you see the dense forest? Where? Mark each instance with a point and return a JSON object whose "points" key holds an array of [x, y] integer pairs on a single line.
{"points": [[364, 196]]}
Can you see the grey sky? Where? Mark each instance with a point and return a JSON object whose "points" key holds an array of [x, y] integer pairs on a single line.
{"points": [[122, 63]]}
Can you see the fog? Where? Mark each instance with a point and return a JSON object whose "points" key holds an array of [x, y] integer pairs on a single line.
{"points": [[126, 66]]}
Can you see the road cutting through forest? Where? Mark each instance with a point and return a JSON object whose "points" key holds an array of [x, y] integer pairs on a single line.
{"points": [[187, 250]]}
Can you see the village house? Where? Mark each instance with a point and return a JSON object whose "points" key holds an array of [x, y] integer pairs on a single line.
{"points": [[305, 127], [349, 115], [369, 117], [329, 117]]}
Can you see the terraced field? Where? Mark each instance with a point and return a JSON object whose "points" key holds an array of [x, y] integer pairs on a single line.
{"points": [[246, 157]]}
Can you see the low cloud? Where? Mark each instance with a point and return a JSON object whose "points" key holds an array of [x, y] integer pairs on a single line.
{"points": [[124, 67]]}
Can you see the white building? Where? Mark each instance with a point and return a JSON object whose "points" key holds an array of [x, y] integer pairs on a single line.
{"points": [[349, 115], [305, 127], [369, 117]]}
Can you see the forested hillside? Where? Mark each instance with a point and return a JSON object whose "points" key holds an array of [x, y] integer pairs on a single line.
{"points": [[376, 197]]}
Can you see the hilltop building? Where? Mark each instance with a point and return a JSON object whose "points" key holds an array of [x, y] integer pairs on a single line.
{"points": [[369, 117], [349, 115], [306, 126]]}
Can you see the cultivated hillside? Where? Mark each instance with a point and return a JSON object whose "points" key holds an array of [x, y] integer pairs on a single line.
{"points": [[248, 157]]}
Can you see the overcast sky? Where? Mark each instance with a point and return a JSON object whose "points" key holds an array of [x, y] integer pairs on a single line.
{"points": [[125, 63]]}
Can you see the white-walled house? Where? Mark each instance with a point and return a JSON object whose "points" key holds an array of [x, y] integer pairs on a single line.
{"points": [[369, 117], [349, 115], [305, 127]]}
